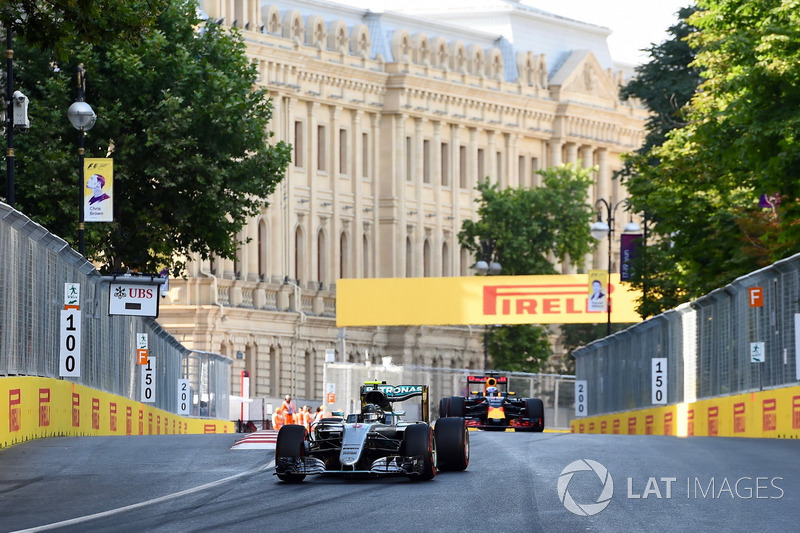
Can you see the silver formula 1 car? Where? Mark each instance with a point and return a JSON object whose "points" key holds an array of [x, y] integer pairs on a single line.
{"points": [[375, 441]]}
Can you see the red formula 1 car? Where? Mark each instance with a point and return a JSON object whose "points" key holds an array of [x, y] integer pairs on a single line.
{"points": [[490, 406]]}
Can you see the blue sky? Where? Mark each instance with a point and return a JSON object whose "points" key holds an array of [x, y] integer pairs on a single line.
{"points": [[635, 23]]}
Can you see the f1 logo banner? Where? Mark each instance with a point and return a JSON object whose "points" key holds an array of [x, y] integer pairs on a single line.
{"points": [[469, 300]]}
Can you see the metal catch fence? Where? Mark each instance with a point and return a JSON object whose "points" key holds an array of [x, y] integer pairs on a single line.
{"points": [[710, 344], [35, 265], [342, 382]]}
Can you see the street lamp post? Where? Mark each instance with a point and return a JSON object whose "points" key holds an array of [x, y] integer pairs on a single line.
{"points": [[599, 230], [9, 118], [487, 266], [82, 117]]}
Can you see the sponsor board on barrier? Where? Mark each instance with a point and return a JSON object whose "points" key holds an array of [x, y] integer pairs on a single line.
{"points": [[774, 413], [44, 407]]}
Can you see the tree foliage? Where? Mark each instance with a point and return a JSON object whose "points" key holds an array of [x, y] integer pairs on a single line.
{"points": [[700, 188], [178, 113], [666, 82], [53, 24], [525, 228]]}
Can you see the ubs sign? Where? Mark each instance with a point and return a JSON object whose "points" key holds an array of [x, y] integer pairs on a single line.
{"points": [[133, 299]]}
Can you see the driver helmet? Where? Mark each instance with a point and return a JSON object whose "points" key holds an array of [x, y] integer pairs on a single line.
{"points": [[491, 391], [371, 412]]}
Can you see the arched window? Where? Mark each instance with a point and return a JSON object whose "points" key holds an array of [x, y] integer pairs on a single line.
{"points": [[274, 373], [311, 376], [321, 258], [365, 272], [445, 260], [344, 267], [262, 251], [426, 259], [299, 258], [409, 257], [464, 262]]}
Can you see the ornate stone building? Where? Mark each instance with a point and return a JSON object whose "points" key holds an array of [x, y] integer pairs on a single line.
{"points": [[393, 119]]}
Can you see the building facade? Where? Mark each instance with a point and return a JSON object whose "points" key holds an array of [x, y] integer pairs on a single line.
{"points": [[393, 119]]}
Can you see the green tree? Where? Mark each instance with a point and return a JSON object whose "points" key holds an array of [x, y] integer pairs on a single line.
{"points": [[525, 228], [665, 84], [178, 112], [53, 24], [703, 184]]}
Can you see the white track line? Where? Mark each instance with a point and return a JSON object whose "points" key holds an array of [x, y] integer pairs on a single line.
{"points": [[81, 519]]}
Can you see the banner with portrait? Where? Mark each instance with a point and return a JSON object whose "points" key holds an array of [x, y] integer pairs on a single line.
{"points": [[598, 286], [98, 189]]}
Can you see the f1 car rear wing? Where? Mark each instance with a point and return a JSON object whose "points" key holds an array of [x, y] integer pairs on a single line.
{"points": [[491, 379], [488, 380], [381, 394]]}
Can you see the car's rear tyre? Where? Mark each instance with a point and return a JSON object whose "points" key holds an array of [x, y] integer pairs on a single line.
{"points": [[290, 443], [418, 440], [444, 404], [452, 444], [457, 406], [535, 409]]}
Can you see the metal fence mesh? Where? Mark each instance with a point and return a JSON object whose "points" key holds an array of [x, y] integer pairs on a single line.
{"points": [[557, 392], [707, 343], [34, 267]]}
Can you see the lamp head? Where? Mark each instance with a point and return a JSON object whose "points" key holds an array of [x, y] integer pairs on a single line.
{"points": [[81, 115], [632, 227], [599, 230]]}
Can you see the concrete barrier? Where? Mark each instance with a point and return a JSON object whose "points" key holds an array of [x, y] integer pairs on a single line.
{"points": [[35, 408]]}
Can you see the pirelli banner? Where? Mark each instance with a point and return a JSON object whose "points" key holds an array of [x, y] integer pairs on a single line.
{"points": [[479, 300]]}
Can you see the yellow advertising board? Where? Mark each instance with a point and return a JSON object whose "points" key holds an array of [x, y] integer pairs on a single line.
{"points": [[472, 300], [34, 407], [771, 413]]}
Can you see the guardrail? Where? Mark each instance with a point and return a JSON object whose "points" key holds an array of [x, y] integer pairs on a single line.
{"points": [[709, 344], [35, 266]]}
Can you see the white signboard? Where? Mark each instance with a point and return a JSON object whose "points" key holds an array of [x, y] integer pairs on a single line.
{"points": [[330, 355], [183, 397], [70, 353], [72, 295], [149, 381], [756, 352], [580, 397], [659, 380], [133, 299]]}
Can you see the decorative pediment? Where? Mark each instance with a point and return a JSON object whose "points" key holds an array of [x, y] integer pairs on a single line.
{"points": [[582, 78]]}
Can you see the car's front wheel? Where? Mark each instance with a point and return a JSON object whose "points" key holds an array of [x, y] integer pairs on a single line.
{"points": [[452, 444], [418, 441], [534, 408], [444, 405], [457, 406], [289, 446]]}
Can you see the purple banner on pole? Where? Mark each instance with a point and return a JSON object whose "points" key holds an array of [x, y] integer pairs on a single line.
{"points": [[629, 247]]}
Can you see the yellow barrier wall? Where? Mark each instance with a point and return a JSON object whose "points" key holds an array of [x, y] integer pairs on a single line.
{"points": [[767, 414], [34, 408]]}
